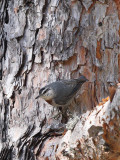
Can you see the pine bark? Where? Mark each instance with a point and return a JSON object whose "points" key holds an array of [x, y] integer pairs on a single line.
{"points": [[42, 41]]}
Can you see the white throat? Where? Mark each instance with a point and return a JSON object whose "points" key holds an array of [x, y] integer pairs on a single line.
{"points": [[49, 95]]}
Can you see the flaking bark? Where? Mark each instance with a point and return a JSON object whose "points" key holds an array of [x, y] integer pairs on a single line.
{"points": [[42, 41]]}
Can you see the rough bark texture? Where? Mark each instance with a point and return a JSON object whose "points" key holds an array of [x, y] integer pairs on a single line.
{"points": [[42, 41]]}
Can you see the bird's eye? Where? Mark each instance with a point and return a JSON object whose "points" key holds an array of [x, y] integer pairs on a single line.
{"points": [[45, 90], [41, 90]]}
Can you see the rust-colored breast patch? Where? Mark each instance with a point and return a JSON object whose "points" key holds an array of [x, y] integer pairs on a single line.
{"points": [[49, 101]]}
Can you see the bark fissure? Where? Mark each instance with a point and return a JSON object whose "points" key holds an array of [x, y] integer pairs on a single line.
{"points": [[42, 41]]}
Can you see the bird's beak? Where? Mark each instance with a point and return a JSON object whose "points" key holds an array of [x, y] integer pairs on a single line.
{"points": [[37, 97]]}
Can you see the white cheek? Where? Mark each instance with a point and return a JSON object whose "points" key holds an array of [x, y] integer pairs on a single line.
{"points": [[47, 95]]}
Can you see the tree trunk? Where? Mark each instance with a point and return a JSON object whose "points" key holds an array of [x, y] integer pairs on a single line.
{"points": [[42, 41]]}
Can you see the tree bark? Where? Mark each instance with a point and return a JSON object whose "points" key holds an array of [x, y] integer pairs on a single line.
{"points": [[42, 41]]}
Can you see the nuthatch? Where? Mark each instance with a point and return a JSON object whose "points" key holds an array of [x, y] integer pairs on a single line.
{"points": [[61, 93]]}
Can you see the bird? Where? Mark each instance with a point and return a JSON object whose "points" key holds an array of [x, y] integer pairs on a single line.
{"points": [[61, 93]]}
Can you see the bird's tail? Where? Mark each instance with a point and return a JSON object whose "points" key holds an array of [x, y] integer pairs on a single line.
{"points": [[82, 79]]}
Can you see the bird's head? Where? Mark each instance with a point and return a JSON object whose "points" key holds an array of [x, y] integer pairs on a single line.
{"points": [[46, 93]]}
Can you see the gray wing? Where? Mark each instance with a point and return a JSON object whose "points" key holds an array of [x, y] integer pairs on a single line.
{"points": [[67, 90]]}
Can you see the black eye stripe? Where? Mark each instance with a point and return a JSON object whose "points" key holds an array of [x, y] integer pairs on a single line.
{"points": [[41, 90], [45, 91]]}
